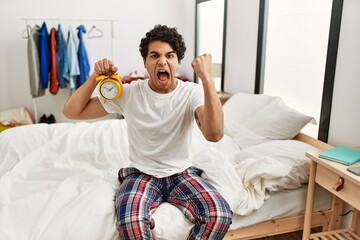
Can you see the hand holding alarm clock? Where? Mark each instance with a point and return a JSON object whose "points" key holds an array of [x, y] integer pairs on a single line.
{"points": [[110, 87]]}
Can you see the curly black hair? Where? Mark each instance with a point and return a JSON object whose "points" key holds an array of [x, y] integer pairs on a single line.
{"points": [[165, 34]]}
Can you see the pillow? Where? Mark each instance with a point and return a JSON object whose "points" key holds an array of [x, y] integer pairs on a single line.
{"points": [[276, 121], [290, 153], [241, 107]]}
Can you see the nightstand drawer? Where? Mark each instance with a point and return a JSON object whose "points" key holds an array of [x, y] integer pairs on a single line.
{"points": [[348, 191]]}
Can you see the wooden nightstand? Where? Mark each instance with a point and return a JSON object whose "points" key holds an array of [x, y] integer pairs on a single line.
{"points": [[343, 185]]}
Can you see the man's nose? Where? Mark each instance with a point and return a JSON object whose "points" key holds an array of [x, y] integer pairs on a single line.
{"points": [[162, 60]]}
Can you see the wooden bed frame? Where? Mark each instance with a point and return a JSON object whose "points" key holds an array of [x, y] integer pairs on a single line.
{"points": [[329, 219]]}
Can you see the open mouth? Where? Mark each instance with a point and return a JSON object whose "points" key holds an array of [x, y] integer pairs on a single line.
{"points": [[163, 75]]}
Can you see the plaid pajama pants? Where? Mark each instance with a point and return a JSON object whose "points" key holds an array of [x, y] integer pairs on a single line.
{"points": [[140, 194]]}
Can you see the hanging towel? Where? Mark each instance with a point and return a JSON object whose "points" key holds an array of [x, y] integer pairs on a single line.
{"points": [[54, 83], [83, 58], [74, 70], [45, 59], [34, 62], [62, 58]]}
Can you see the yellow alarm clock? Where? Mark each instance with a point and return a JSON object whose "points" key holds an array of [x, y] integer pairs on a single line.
{"points": [[110, 87]]}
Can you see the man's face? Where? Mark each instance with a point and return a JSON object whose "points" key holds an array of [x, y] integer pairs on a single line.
{"points": [[161, 63]]}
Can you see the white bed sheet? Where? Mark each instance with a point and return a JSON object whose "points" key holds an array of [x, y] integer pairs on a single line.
{"points": [[58, 181]]}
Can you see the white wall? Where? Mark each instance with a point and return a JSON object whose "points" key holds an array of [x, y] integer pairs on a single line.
{"points": [[345, 112], [241, 44], [134, 19]]}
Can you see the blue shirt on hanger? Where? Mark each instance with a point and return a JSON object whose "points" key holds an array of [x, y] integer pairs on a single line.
{"points": [[62, 58], [82, 57], [45, 58], [74, 69]]}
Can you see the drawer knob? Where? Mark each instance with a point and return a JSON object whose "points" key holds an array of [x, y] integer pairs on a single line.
{"points": [[339, 184]]}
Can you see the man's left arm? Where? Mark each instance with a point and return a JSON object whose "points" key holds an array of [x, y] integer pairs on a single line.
{"points": [[210, 116]]}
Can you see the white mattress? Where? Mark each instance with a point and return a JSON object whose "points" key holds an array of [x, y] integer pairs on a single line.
{"points": [[280, 204]]}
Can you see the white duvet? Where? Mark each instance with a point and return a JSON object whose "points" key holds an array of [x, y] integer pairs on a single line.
{"points": [[58, 181]]}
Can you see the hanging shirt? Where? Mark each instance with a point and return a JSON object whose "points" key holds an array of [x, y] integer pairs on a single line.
{"points": [[45, 59], [74, 70], [54, 83], [34, 62], [83, 58], [62, 58]]}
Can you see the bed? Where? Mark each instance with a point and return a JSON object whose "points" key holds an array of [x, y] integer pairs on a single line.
{"points": [[58, 181]]}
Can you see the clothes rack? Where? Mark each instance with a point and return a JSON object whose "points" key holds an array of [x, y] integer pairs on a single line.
{"points": [[110, 21]]}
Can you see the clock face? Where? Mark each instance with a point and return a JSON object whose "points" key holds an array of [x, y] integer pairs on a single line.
{"points": [[109, 90]]}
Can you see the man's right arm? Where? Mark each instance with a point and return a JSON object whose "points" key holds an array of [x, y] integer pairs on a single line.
{"points": [[81, 105]]}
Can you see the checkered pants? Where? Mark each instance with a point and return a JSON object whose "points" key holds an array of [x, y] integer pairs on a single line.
{"points": [[140, 194]]}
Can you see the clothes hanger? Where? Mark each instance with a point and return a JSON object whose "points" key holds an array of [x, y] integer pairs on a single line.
{"points": [[26, 33], [95, 32]]}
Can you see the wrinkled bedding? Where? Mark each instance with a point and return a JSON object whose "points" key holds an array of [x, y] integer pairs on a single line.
{"points": [[58, 181]]}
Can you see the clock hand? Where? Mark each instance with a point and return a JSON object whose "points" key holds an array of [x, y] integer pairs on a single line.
{"points": [[110, 89]]}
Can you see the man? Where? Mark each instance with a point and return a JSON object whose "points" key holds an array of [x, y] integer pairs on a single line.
{"points": [[160, 113]]}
